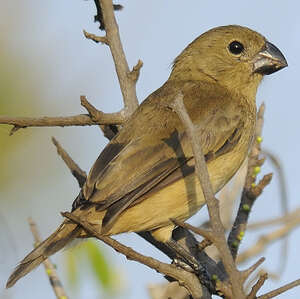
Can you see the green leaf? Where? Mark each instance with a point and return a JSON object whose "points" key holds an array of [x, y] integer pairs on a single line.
{"points": [[99, 265], [77, 257], [71, 267]]}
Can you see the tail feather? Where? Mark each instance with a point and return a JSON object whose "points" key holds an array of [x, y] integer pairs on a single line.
{"points": [[59, 239]]}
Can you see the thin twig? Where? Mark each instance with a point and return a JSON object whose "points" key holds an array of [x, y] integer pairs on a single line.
{"points": [[275, 221], [211, 201], [95, 38], [97, 115], [59, 121], [257, 286], [23, 122], [200, 231], [265, 240], [49, 267], [284, 205], [281, 290], [127, 85], [135, 72], [249, 271], [282, 179], [77, 172]]}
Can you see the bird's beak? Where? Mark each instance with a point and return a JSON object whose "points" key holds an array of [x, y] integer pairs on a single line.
{"points": [[269, 60]]}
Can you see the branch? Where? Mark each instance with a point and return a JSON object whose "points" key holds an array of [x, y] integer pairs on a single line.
{"points": [[127, 84], [127, 80], [207, 234], [95, 38], [211, 201], [188, 240], [265, 240], [77, 172], [95, 117], [49, 267], [246, 273], [135, 72], [24, 122], [187, 279], [275, 221], [257, 286], [281, 290], [99, 17], [250, 190], [284, 205]]}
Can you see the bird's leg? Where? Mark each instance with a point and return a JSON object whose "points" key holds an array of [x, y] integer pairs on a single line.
{"points": [[189, 263], [180, 255], [187, 260], [164, 235]]}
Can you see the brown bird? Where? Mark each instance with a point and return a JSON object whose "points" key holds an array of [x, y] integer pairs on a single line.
{"points": [[145, 175]]}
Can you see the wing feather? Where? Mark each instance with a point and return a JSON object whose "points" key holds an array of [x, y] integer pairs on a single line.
{"points": [[150, 153]]}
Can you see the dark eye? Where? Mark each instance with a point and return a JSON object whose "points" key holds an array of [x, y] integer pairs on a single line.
{"points": [[236, 48]]}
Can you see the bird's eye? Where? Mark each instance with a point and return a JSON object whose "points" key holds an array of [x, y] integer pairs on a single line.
{"points": [[236, 47]]}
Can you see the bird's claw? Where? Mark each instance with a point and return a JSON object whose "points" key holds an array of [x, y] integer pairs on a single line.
{"points": [[181, 264]]}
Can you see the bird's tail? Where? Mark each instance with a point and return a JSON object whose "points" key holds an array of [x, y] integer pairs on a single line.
{"points": [[60, 238]]}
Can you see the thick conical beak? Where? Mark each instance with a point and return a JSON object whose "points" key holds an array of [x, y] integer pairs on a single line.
{"points": [[269, 60]]}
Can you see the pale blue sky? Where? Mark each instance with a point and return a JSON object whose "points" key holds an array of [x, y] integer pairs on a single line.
{"points": [[48, 37]]}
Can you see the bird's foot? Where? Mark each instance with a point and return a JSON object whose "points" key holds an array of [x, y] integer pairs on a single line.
{"points": [[185, 260], [182, 264]]}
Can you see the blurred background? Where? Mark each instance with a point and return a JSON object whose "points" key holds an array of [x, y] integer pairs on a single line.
{"points": [[46, 64]]}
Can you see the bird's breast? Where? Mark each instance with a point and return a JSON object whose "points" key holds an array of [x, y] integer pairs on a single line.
{"points": [[184, 197]]}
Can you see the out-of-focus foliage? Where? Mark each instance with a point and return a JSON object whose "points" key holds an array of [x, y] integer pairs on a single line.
{"points": [[17, 97], [91, 255]]}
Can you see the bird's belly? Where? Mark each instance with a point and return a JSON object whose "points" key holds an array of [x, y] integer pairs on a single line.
{"points": [[179, 200]]}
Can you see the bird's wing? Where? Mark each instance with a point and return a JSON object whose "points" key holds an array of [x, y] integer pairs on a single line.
{"points": [[134, 165]]}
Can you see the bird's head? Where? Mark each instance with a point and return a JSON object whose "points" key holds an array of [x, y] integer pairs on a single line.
{"points": [[234, 56]]}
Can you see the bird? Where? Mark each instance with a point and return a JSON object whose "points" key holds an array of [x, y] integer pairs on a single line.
{"points": [[145, 176]]}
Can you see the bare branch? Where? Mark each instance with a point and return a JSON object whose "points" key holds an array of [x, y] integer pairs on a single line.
{"points": [[95, 38], [187, 279], [257, 286], [249, 271], [211, 201], [49, 267], [281, 290], [284, 204], [24, 122], [199, 231], [60, 121], [275, 221], [282, 179], [135, 73], [265, 240], [113, 37], [98, 116], [77, 172]]}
